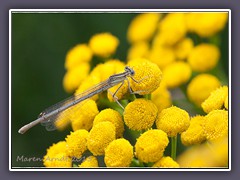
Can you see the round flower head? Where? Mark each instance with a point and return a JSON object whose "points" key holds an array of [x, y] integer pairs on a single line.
{"points": [[162, 56], [183, 48], [77, 143], [166, 162], [79, 54], [83, 114], [216, 99], [206, 24], [89, 82], [100, 136], [103, 44], [103, 71], [204, 57], [89, 162], [119, 153], [162, 97], [138, 50], [177, 74], [151, 145], [53, 151], [142, 27], [147, 77], [173, 28], [75, 76], [119, 92], [173, 120], [195, 133], [113, 117], [140, 114], [216, 124], [201, 86]]}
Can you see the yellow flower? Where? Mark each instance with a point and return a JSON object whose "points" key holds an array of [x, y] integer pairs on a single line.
{"points": [[216, 124], [100, 136], [173, 28], [147, 75], [166, 162], [177, 74], [75, 76], [201, 86], [162, 56], [143, 27], [138, 50], [77, 143], [120, 92], [226, 102], [103, 44], [88, 83], [195, 133], [56, 156], [162, 98], [173, 120], [216, 99], [140, 114], [119, 153], [113, 117], [183, 48], [206, 24], [79, 54], [204, 57], [89, 162], [151, 145], [205, 155], [103, 71], [83, 114]]}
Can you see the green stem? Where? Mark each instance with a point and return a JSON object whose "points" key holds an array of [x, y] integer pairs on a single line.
{"points": [[174, 147], [147, 96]]}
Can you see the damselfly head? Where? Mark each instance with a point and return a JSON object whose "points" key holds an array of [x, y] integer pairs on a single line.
{"points": [[132, 72]]}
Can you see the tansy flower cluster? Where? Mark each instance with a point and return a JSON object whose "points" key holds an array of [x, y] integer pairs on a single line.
{"points": [[174, 102]]}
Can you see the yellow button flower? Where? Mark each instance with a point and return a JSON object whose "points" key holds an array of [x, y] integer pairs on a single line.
{"points": [[177, 74], [183, 48], [89, 82], [147, 74], [75, 76], [162, 56], [89, 162], [204, 57], [140, 114], [195, 133], [216, 124], [119, 90], [142, 27], [201, 86], [100, 136], [77, 143], [173, 120], [216, 99], [166, 162], [79, 54], [113, 117], [162, 97], [173, 28], [103, 44], [119, 153], [138, 50], [151, 145], [83, 114], [206, 24], [56, 156]]}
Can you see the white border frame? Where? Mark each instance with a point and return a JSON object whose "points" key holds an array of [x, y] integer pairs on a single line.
{"points": [[115, 11]]}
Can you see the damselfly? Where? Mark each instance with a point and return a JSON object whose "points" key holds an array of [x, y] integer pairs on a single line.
{"points": [[49, 115]]}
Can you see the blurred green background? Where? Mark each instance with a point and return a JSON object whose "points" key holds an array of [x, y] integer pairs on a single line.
{"points": [[40, 42]]}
